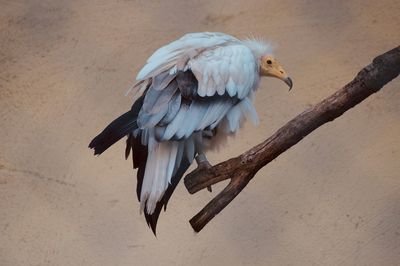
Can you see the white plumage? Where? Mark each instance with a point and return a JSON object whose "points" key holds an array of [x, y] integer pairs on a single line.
{"points": [[192, 89], [221, 64]]}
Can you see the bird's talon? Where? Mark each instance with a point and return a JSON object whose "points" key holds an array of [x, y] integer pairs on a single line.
{"points": [[204, 165]]}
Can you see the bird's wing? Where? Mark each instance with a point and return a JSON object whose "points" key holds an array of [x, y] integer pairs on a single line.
{"points": [[222, 73], [174, 117], [221, 64], [230, 69], [180, 51]]}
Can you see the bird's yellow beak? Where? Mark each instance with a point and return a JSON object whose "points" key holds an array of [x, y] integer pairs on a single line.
{"points": [[269, 67]]}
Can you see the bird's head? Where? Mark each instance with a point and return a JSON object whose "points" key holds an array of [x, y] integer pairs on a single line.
{"points": [[269, 67]]}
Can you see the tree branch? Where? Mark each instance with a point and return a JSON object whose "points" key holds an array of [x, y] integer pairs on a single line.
{"points": [[243, 168]]}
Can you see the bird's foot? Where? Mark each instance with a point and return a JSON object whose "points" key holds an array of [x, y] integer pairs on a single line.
{"points": [[202, 165]]}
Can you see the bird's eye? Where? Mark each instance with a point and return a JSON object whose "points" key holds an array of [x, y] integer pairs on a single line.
{"points": [[269, 62]]}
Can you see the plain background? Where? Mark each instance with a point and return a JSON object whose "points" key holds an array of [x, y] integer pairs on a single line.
{"points": [[333, 199]]}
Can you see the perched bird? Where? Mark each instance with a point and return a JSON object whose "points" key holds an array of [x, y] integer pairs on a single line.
{"points": [[195, 92]]}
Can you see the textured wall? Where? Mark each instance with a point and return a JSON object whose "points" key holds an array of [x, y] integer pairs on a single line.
{"points": [[333, 199]]}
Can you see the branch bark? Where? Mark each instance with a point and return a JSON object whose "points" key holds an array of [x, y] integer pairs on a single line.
{"points": [[243, 168]]}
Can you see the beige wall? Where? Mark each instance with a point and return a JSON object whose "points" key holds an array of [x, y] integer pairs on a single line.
{"points": [[333, 199]]}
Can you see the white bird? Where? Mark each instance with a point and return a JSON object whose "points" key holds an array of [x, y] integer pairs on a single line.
{"points": [[195, 92]]}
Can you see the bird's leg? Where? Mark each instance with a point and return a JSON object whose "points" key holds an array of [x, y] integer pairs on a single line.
{"points": [[202, 164], [202, 161]]}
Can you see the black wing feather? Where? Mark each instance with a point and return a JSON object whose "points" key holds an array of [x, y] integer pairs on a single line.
{"points": [[117, 129]]}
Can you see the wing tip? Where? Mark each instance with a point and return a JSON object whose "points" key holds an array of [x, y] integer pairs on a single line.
{"points": [[96, 146]]}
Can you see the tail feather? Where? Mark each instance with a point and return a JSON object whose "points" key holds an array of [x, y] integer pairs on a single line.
{"points": [[160, 163], [139, 157], [153, 218]]}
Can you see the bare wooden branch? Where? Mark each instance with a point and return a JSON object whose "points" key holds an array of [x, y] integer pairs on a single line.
{"points": [[242, 169]]}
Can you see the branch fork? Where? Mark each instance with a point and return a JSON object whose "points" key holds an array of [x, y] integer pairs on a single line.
{"points": [[240, 170]]}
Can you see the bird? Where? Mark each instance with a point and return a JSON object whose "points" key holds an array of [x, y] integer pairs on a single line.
{"points": [[194, 93]]}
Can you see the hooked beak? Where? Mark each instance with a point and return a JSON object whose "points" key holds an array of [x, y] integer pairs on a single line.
{"points": [[289, 82], [271, 68]]}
